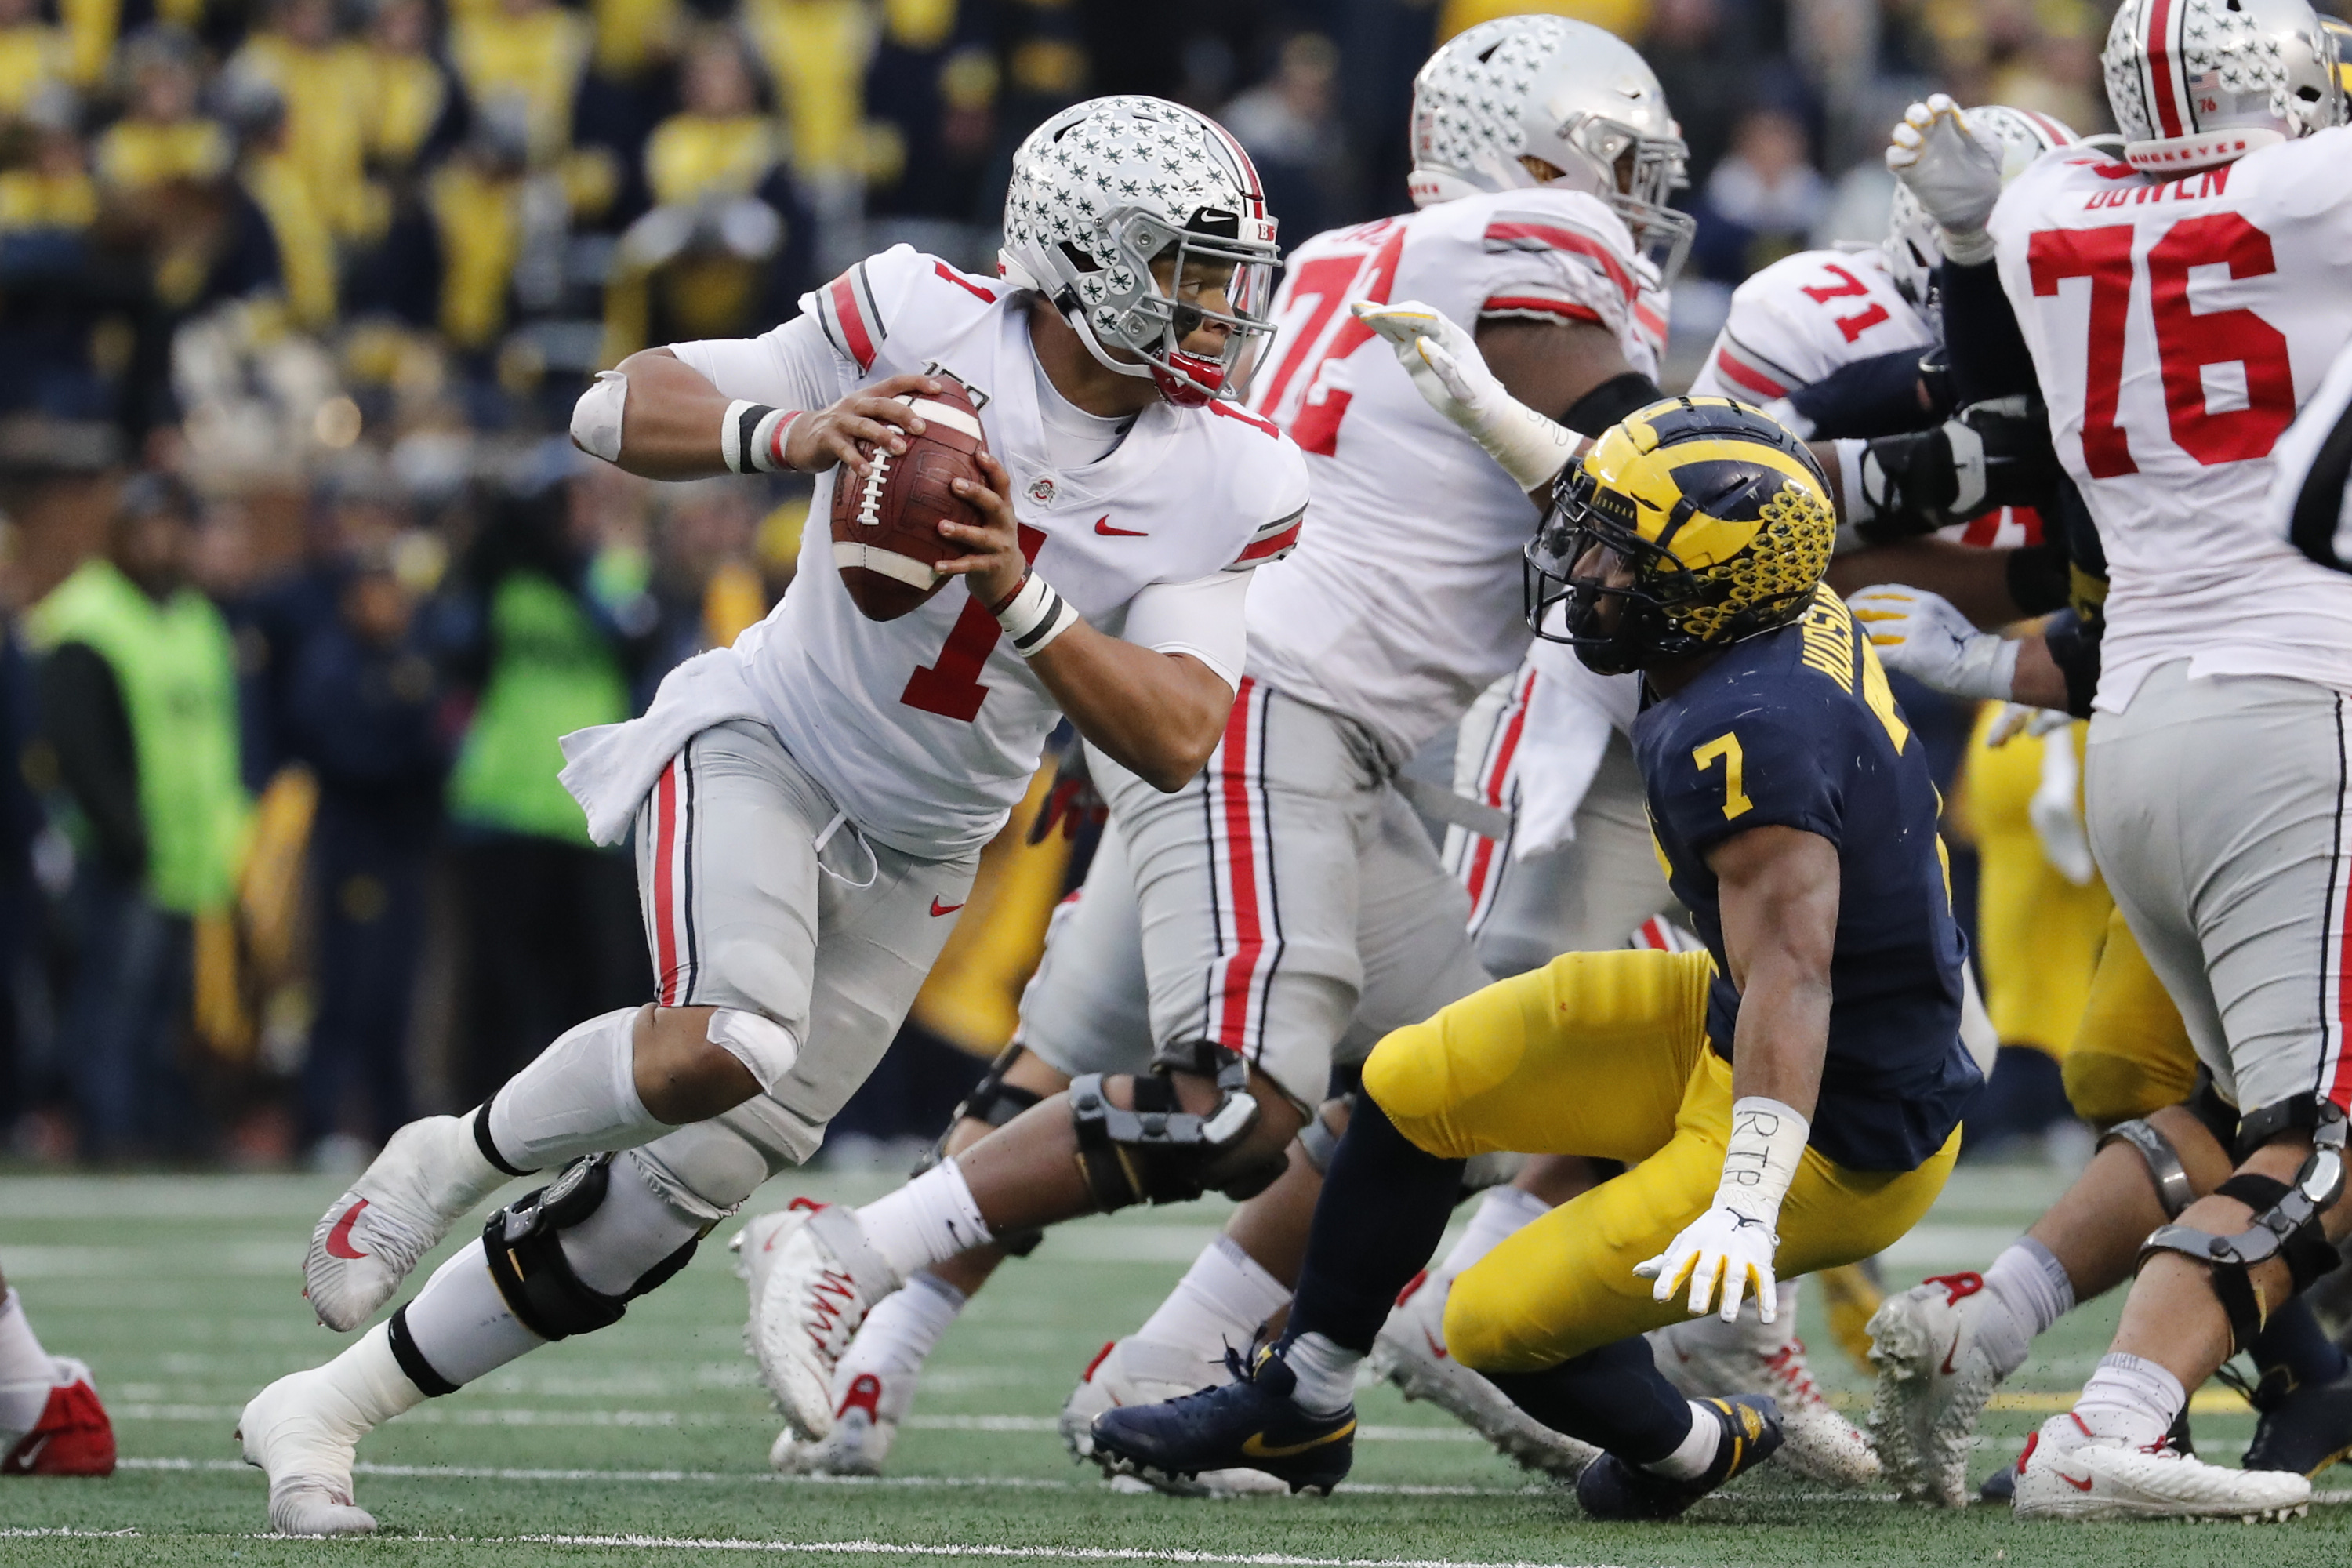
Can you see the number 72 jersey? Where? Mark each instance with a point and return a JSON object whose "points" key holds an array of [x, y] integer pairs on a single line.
{"points": [[2175, 327]]}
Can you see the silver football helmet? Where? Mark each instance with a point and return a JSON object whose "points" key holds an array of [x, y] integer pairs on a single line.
{"points": [[1911, 246], [1567, 93], [1106, 188], [2193, 83]]}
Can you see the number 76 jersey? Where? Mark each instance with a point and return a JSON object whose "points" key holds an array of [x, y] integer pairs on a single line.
{"points": [[2176, 326]]}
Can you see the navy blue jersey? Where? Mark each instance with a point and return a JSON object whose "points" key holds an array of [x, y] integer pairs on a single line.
{"points": [[1797, 728]]}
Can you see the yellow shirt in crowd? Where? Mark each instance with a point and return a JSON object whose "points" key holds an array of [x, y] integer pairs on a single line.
{"points": [[693, 155], [134, 155]]}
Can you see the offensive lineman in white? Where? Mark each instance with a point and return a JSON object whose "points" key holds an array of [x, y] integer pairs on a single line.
{"points": [[810, 804], [2179, 307], [1289, 904]]}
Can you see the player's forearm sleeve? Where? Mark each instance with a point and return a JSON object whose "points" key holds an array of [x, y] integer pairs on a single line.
{"points": [[1989, 359], [1612, 401], [793, 366], [1205, 618], [1874, 396]]}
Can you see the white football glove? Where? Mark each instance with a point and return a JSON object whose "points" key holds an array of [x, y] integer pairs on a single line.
{"points": [[2055, 810], [1452, 377], [1732, 1243], [1922, 637], [1954, 174], [1722, 1247]]}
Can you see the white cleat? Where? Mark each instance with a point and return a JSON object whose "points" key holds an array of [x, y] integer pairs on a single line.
{"points": [[1410, 1351], [1136, 1371], [1933, 1381], [291, 1432], [812, 1278], [399, 1209], [1708, 1356], [2067, 1472], [865, 1424]]}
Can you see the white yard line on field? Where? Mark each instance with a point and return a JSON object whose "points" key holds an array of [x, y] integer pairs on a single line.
{"points": [[431, 1416], [879, 1549], [672, 1477]]}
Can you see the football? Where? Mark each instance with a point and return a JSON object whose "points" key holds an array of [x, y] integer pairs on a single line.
{"points": [[885, 535]]}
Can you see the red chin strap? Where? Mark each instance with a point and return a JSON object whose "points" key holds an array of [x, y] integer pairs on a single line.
{"points": [[1208, 378]]}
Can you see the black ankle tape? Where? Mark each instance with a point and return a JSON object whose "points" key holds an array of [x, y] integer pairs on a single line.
{"points": [[490, 1150], [412, 1361]]}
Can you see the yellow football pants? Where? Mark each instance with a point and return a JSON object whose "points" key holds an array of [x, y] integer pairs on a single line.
{"points": [[1605, 1054], [2132, 1054]]}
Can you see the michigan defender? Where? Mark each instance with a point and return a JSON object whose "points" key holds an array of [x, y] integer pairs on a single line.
{"points": [[1788, 1099], [809, 803], [2224, 642]]}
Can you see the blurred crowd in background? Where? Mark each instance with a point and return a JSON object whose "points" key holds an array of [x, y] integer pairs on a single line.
{"points": [[295, 298]]}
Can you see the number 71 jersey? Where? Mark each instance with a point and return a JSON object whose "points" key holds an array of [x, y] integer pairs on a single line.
{"points": [[2176, 326]]}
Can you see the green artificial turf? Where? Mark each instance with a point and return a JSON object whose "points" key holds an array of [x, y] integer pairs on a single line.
{"points": [[649, 1441]]}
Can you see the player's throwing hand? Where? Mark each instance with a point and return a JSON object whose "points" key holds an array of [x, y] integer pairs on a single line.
{"points": [[815, 442]]}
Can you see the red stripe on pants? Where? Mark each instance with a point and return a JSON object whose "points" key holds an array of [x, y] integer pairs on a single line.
{"points": [[1240, 872], [665, 894]]}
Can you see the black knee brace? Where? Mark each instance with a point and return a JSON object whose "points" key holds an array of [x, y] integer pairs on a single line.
{"points": [[1159, 1153], [2286, 1224], [524, 1245], [995, 1102]]}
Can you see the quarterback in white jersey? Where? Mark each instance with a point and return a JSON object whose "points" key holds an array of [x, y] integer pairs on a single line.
{"points": [[1288, 904], [808, 805], [2180, 304]]}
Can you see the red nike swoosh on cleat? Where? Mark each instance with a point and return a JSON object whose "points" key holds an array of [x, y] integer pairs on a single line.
{"points": [[1103, 527], [1948, 1368], [1435, 1348], [339, 1240], [939, 908], [2082, 1486]]}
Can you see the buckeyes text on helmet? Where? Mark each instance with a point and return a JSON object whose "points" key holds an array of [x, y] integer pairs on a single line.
{"points": [[2193, 83], [1562, 93], [1105, 190], [1911, 246]]}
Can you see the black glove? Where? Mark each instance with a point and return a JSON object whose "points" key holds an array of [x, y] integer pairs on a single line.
{"points": [[1988, 455]]}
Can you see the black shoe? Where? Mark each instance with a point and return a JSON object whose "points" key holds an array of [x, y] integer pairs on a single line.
{"points": [[1253, 1423], [2302, 1429], [1613, 1490]]}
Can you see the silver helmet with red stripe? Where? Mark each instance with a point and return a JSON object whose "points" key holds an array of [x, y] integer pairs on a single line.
{"points": [[1532, 101], [1912, 247], [2193, 83], [1143, 222]]}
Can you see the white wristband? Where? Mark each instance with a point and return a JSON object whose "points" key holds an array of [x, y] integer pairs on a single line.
{"points": [[751, 436], [1760, 1160], [1971, 249], [1034, 615], [1531, 448]]}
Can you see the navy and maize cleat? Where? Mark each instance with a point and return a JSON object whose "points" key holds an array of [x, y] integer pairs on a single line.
{"points": [[1253, 1423], [1611, 1489], [2303, 1429]]}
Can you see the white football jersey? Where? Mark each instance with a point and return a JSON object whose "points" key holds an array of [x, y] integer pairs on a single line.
{"points": [[1814, 313], [1403, 602], [2176, 326], [1805, 316], [926, 729]]}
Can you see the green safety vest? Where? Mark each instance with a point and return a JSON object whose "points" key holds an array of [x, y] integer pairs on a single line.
{"points": [[552, 673], [176, 665]]}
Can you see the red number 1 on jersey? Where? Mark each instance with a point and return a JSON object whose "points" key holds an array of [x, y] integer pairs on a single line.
{"points": [[950, 687]]}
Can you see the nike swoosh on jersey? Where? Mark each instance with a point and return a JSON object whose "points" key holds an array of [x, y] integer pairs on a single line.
{"points": [[339, 1240], [939, 908], [1256, 1448], [1103, 527]]}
